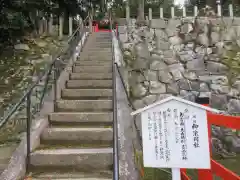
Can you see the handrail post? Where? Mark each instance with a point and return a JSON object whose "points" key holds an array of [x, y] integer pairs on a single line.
{"points": [[55, 73], [29, 119]]}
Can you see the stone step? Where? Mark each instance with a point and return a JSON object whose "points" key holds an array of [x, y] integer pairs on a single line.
{"points": [[93, 63], [102, 36], [98, 46], [95, 54], [80, 136], [92, 43], [60, 175], [81, 118], [77, 69], [105, 49], [77, 178], [90, 178], [80, 84], [96, 58], [76, 94], [90, 76], [100, 39], [84, 105], [79, 159]]}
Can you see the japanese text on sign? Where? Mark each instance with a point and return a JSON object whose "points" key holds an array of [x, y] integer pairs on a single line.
{"points": [[174, 135]]}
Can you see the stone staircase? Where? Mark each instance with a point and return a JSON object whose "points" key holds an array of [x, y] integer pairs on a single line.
{"points": [[78, 142]]}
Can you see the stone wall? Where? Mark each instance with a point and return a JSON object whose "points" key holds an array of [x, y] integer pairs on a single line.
{"points": [[184, 57]]}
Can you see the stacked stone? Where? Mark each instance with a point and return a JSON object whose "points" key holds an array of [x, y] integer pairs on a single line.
{"points": [[182, 57]]}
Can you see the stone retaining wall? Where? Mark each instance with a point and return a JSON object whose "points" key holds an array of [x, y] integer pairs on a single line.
{"points": [[184, 57]]}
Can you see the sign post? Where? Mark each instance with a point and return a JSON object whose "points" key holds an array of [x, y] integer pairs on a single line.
{"points": [[176, 174], [175, 133]]}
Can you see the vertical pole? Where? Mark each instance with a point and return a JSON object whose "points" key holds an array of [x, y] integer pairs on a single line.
{"points": [[184, 11], [117, 33], [50, 25], [219, 10], [161, 13], [230, 7], [81, 34], [41, 26], [176, 174], [70, 31], [45, 25], [92, 14], [29, 119], [127, 13], [172, 12], [60, 27], [150, 14], [90, 22], [55, 87], [80, 21], [96, 27], [195, 11]]}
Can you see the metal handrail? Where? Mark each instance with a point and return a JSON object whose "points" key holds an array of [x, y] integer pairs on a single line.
{"points": [[130, 104], [115, 120], [54, 69], [126, 91]]}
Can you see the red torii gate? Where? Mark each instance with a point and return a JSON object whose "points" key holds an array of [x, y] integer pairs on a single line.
{"points": [[232, 122], [227, 121], [96, 28]]}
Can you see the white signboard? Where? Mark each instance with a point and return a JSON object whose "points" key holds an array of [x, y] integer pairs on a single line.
{"points": [[175, 134]]}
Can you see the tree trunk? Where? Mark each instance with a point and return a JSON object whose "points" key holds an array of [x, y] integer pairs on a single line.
{"points": [[60, 28], [50, 25], [141, 11], [66, 23], [102, 6]]}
